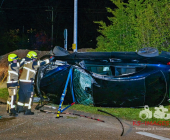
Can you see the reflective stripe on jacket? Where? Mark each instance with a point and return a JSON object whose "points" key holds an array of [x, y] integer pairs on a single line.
{"points": [[30, 69], [13, 70]]}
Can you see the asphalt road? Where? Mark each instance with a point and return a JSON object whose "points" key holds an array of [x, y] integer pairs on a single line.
{"points": [[44, 126]]}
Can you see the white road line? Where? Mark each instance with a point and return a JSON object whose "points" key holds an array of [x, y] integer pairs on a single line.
{"points": [[12, 127], [152, 135]]}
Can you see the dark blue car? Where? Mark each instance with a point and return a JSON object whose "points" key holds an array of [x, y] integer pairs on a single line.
{"points": [[112, 79]]}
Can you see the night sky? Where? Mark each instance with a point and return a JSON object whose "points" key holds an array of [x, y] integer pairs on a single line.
{"points": [[27, 14]]}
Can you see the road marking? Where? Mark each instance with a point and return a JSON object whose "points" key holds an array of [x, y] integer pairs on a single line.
{"points": [[152, 135], [12, 127]]}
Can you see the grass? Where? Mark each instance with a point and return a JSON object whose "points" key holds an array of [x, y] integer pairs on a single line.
{"points": [[4, 93], [123, 113], [130, 114]]}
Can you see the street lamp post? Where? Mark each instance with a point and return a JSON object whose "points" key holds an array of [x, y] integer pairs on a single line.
{"points": [[74, 46]]}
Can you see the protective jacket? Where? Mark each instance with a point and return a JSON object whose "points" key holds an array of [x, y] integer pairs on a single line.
{"points": [[13, 71], [30, 69]]}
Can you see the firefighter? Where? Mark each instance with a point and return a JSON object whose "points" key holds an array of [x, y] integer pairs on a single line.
{"points": [[12, 82], [26, 82]]}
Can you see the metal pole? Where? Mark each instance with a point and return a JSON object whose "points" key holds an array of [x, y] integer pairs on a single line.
{"points": [[75, 25], [52, 30], [65, 38]]}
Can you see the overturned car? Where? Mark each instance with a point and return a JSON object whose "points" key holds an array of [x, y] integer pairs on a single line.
{"points": [[112, 79]]}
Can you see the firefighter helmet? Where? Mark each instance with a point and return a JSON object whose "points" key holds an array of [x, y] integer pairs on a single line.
{"points": [[12, 57], [32, 55]]}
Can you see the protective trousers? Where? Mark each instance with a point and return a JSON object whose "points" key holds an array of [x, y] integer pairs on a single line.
{"points": [[25, 95], [11, 102]]}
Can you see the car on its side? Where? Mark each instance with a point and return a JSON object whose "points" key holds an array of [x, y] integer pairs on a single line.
{"points": [[112, 79]]}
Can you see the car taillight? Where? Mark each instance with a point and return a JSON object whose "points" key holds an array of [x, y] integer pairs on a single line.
{"points": [[168, 63]]}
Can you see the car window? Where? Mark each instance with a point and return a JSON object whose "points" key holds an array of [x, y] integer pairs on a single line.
{"points": [[102, 70], [125, 70]]}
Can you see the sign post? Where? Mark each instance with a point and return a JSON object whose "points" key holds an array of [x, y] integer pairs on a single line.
{"points": [[65, 39]]}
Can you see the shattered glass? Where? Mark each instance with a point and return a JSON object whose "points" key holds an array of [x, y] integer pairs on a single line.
{"points": [[82, 83]]}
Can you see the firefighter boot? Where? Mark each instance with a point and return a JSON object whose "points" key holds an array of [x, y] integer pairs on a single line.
{"points": [[13, 112], [20, 109], [28, 112], [10, 114]]}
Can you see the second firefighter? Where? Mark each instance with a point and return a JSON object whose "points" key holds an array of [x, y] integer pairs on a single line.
{"points": [[26, 82]]}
